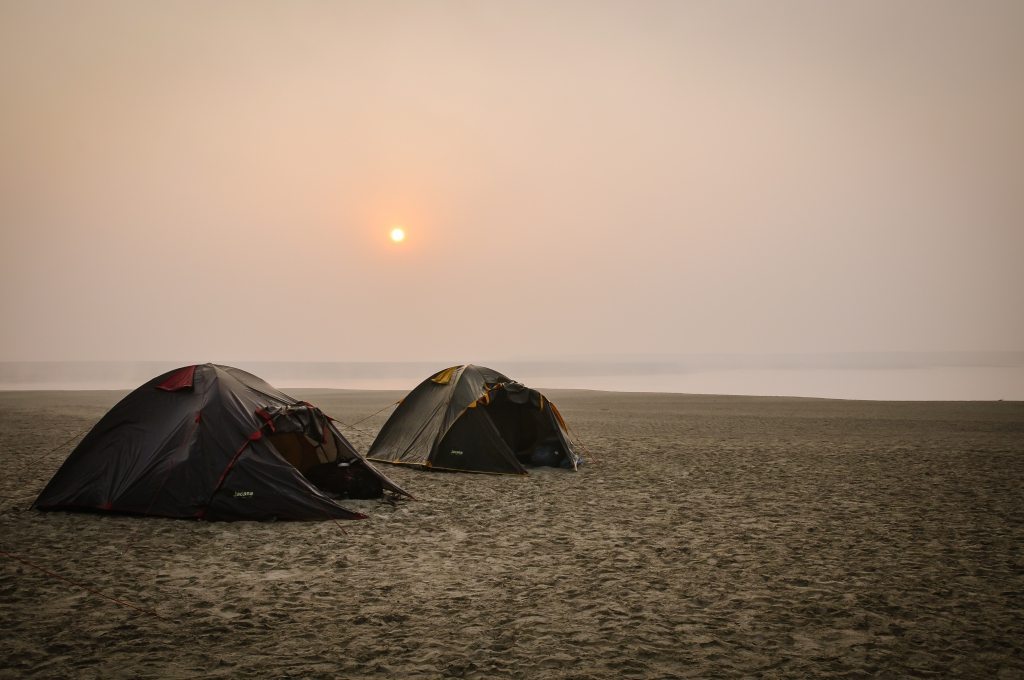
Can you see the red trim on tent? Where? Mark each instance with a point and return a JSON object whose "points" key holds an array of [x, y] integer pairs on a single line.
{"points": [[179, 380], [253, 437], [262, 413], [231, 463]]}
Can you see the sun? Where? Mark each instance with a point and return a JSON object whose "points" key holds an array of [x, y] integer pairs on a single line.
{"points": [[398, 234]]}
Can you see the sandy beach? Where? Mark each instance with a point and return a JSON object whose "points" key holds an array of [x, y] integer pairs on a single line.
{"points": [[707, 537]]}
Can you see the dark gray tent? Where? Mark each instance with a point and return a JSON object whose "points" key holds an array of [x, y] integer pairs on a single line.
{"points": [[474, 419], [214, 442]]}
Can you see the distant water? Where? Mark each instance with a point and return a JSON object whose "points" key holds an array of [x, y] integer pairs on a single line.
{"points": [[882, 376]]}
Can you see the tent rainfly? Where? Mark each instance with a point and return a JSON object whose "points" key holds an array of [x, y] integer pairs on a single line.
{"points": [[216, 443], [474, 419]]}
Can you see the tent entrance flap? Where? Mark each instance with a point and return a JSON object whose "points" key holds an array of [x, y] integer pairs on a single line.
{"points": [[297, 449], [474, 443], [519, 424], [528, 429], [319, 463]]}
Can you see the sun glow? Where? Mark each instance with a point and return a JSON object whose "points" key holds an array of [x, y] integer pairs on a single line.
{"points": [[398, 234]]}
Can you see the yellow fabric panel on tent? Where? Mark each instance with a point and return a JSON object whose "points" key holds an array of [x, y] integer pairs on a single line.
{"points": [[445, 376], [485, 400]]}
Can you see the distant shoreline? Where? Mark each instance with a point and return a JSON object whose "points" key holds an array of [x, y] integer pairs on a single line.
{"points": [[950, 376]]}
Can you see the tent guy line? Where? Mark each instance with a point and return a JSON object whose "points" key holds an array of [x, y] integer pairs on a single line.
{"points": [[87, 588], [42, 455], [362, 420]]}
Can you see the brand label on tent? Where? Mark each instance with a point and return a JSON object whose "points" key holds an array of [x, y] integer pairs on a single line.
{"points": [[243, 494], [456, 453]]}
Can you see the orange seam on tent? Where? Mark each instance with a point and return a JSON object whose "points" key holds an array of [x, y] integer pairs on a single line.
{"points": [[558, 415]]}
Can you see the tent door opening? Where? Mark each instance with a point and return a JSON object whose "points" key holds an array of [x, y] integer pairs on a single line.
{"points": [[528, 431], [320, 464]]}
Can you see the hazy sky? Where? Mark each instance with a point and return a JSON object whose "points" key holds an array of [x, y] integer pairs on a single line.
{"points": [[216, 181]]}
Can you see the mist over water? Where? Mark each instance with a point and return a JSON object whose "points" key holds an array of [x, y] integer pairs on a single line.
{"points": [[880, 376]]}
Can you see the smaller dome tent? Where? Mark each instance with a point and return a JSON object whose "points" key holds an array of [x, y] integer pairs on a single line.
{"points": [[214, 442], [474, 419]]}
